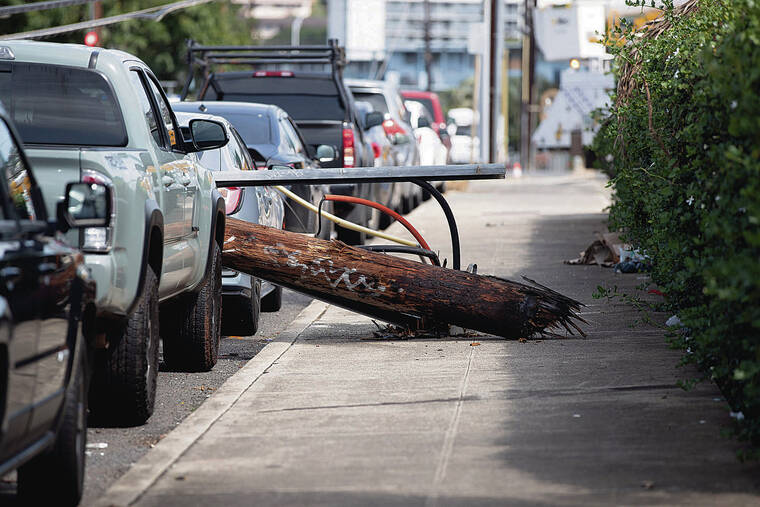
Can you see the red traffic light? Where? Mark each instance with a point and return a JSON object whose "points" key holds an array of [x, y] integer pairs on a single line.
{"points": [[91, 39]]}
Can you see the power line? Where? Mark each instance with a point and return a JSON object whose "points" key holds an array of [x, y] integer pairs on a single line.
{"points": [[40, 6], [153, 13]]}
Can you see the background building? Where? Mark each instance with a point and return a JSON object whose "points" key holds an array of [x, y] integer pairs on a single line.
{"points": [[274, 15], [403, 26]]}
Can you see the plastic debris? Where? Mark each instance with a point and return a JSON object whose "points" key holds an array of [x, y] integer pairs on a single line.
{"points": [[673, 321]]}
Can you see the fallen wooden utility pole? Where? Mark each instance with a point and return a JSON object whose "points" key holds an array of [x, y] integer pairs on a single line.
{"points": [[393, 289]]}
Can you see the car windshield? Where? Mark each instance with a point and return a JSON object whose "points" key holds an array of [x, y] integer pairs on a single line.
{"points": [[52, 104], [376, 99], [254, 128], [303, 98], [300, 107]]}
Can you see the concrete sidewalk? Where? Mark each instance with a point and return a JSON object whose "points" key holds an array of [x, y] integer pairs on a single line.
{"points": [[330, 415]]}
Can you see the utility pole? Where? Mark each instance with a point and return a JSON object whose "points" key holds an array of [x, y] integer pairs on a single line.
{"points": [[528, 86], [428, 51], [496, 42], [475, 106], [96, 12], [505, 99]]}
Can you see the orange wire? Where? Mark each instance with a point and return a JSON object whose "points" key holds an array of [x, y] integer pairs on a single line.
{"points": [[384, 209]]}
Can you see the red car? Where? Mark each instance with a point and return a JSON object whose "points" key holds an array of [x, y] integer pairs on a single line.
{"points": [[433, 104]]}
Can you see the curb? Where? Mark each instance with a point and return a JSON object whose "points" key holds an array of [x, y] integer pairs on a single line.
{"points": [[145, 472]]}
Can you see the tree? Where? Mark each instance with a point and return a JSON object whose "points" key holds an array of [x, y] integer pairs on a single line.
{"points": [[160, 44]]}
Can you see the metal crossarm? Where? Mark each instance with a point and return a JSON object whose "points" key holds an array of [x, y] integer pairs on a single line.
{"points": [[288, 176], [419, 175]]}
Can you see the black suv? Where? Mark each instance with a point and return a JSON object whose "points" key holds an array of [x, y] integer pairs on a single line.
{"points": [[293, 78], [46, 317]]}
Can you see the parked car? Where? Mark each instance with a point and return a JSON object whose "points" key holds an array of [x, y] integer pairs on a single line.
{"points": [[99, 116], [432, 149], [388, 193], [465, 148], [318, 101], [272, 139], [386, 99], [47, 320], [433, 105], [243, 296]]}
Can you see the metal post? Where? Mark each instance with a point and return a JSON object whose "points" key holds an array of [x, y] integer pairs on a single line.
{"points": [[295, 31], [428, 51], [528, 92], [496, 46], [475, 107], [505, 99]]}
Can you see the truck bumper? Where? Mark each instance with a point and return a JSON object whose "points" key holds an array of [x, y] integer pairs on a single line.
{"points": [[103, 270]]}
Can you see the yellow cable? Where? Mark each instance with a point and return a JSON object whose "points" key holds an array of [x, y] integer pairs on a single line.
{"points": [[344, 223]]}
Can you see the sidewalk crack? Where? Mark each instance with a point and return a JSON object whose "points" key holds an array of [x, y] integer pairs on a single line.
{"points": [[449, 438]]}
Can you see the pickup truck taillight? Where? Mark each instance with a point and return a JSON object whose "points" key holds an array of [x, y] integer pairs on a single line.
{"points": [[98, 239], [376, 150], [348, 147], [232, 198]]}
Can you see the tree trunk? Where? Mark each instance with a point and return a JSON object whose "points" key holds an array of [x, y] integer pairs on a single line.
{"points": [[393, 289]]}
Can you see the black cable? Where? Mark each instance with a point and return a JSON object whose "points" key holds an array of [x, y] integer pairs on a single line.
{"points": [[412, 250], [449, 217], [319, 216]]}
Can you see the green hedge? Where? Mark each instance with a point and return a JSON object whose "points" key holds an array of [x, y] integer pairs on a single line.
{"points": [[683, 146]]}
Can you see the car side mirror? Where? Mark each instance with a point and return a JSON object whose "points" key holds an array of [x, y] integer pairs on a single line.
{"points": [[326, 153], [422, 122], [373, 119], [207, 135], [85, 205]]}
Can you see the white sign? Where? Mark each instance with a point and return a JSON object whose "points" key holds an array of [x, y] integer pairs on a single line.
{"points": [[476, 39], [581, 92]]}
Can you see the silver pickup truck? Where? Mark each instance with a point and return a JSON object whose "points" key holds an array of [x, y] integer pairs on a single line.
{"points": [[98, 115]]}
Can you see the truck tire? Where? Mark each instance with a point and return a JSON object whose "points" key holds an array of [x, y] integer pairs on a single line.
{"points": [[407, 203], [272, 302], [56, 477], [124, 384], [195, 346], [240, 316]]}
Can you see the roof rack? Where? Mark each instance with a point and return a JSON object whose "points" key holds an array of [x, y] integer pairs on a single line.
{"points": [[203, 58]]}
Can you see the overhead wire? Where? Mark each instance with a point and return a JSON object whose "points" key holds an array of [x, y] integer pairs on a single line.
{"points": [[10, 10], [153, 13]]}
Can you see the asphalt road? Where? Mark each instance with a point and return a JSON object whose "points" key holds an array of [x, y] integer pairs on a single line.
{"points": [[111, 451]]}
